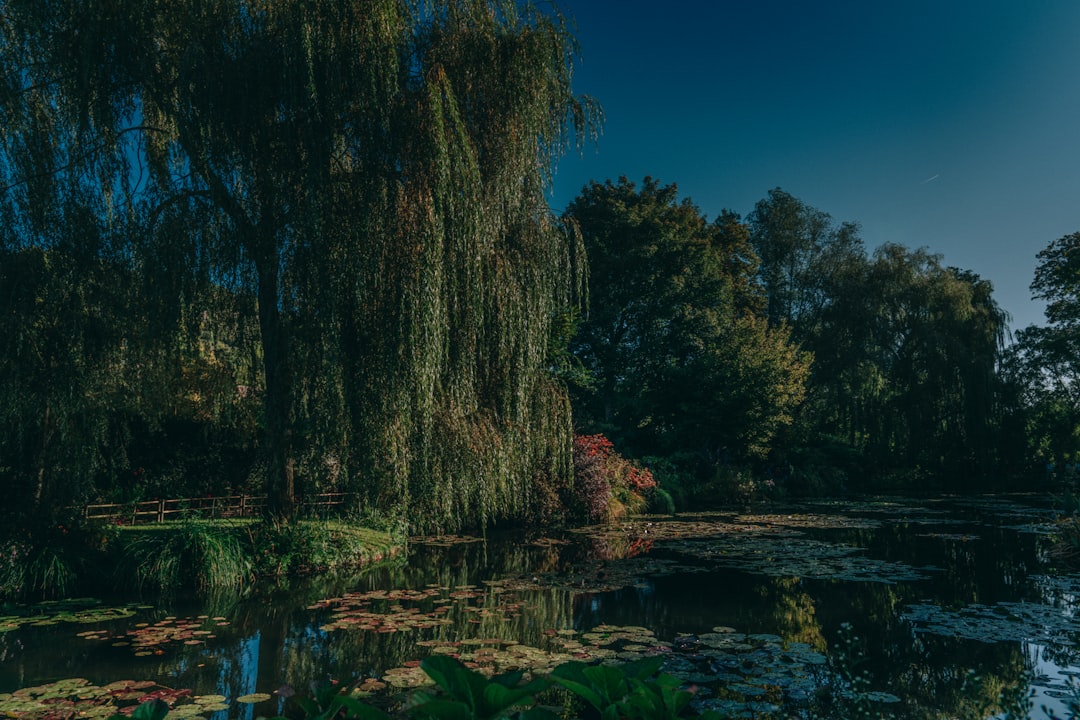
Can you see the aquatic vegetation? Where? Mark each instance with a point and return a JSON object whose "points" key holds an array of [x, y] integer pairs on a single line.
{"points": [[810, 520], [1000, 622], [78, 697], [952, 537], [797, 557], [384, 611], [444, 540], [304, 546], [54, 612], [147, 639]]}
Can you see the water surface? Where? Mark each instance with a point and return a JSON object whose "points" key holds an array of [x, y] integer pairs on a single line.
{"points": [[920, 608]]}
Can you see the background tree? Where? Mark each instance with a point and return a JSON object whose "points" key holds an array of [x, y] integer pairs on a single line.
{"points": [[680, 362], [904, 381], [1044, 363]]}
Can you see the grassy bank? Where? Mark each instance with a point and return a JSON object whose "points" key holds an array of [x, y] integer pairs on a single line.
{"points": [[186, 556]]}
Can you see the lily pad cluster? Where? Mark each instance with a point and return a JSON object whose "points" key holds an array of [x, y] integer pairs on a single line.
{"points": [[152, 638], [596, 577], [798, 557], [385, 611], [1006, 621], [444, 540], [677, 529], [811, 521], [738, 673], [78, 697], [82, 611]]}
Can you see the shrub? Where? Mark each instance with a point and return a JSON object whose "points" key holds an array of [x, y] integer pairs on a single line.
{"points": [[300, 546], [661, 502], [607, 485], [196, 555], [49, 561]]}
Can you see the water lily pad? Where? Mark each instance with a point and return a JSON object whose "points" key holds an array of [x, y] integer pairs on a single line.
{"points": [[254, 698], [73, 697]]}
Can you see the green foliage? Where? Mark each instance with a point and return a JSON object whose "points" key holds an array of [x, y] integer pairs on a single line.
{"points": [[42, 571], [51, 561], [308, 239], [1044, 364], [661, 502], [905, 351], [333, 702], [681, 360], [470, 695], [190, 555], [300, 546], [633, 690]]}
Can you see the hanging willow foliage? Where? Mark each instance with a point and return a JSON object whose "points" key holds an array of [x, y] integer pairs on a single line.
{"points": [[371, 174]]}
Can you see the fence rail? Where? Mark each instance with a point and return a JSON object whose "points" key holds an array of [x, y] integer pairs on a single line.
{"points": [[226, 506]]}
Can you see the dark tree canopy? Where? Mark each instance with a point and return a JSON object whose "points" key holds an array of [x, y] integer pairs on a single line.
{"points": [[366, 178], [1044, 363], [680, 360]]}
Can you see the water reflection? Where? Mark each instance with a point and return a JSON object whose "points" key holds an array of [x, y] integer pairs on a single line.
{"points": [[950, 601]]}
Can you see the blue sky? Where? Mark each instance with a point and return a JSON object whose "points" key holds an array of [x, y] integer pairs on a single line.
{"points": [[950, 125]]}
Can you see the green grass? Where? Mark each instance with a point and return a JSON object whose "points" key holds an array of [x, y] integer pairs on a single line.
{"points": [[212, 555], [304, 546], [199, 555], [194, 556]]}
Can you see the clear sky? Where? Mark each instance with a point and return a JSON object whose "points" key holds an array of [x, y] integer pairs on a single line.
{"points": [[947, 124]]}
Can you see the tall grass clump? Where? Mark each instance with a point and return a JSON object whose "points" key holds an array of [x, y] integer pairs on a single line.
{"points": [[282, 548], [49, 561], [36, 571], [191, 555]]}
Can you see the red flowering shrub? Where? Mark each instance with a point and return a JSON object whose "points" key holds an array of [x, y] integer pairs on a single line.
{"points": [[607, 485]]}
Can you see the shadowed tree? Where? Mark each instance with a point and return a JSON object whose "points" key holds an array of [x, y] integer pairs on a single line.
{"points": [[1044, 364], [371, 173], [681, 362]]}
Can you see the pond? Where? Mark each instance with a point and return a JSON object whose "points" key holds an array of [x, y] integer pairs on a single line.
{"points": [[915, 608]]}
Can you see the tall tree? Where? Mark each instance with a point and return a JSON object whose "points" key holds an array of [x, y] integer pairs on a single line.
{"points": [[371, 173], [1044, 363], [802, 252], [679, 359]]}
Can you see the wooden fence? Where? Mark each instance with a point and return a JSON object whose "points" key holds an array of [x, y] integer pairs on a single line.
{"points": [[228, 506]]}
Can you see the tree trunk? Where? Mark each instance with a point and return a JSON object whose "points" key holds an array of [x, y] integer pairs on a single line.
{"points": [[277, 400], [40, 494]]}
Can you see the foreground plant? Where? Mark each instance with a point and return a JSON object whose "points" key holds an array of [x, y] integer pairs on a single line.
{"points": [[628, 691], [633, 690], [472, 696]]}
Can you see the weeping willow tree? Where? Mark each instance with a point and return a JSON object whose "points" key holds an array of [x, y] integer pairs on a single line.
{"points": [[371, 174]]}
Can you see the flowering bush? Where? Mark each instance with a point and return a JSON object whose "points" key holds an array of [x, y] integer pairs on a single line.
{"points": [[607, 485]]}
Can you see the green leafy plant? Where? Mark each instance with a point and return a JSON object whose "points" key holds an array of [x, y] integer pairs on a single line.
{"points": [[155, 709], [332, 702], [472, 696], [629, 691], [610, 692]]}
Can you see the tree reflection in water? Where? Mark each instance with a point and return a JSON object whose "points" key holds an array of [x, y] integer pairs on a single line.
{"points": [[711, 592]]}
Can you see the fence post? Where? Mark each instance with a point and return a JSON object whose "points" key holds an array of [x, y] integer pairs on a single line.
{"points": [[243, 505], [161, 511]]}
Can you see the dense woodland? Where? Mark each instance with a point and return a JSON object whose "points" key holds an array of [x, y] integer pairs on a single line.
{"points": [[305, 246]]}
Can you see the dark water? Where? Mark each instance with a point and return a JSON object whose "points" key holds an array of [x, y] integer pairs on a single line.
{"points": [[934, 605]]}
